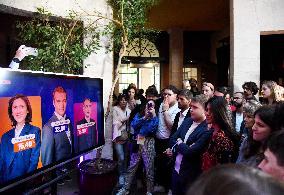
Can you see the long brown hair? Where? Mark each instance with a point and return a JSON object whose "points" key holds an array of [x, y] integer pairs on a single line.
{"points": [[223, 117]]}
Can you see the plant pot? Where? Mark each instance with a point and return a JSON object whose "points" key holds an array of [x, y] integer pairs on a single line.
{"points": [[97, 176]]}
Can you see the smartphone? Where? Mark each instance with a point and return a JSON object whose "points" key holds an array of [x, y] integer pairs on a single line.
{"points": [[149, 105], [31, 51]]}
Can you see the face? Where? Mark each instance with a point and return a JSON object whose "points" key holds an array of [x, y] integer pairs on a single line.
{"points": [[209, 114], [170, 96], [131, 93], [87, 108], [247, 92], [228, 98], [122, 103], [19, 110], [193, 84], [266, 91], [238, 100], [269, 165], [248, 120], [207, 91], [151, 97], [59, 103], [183, 102], [186, 85], [197, 111], [260, 130]]}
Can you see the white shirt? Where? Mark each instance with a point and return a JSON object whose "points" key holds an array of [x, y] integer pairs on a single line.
{"points": [[18, 132], [180, 156], [119, 114], [182, 116], [239, 120], [163, 132], [61, 118]]}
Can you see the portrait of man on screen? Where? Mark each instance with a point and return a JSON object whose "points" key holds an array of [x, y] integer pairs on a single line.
{"points": [[57, 133], [86, 131]]}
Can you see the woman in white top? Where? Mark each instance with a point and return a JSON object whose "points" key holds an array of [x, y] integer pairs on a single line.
{"points": [[121, 115]]}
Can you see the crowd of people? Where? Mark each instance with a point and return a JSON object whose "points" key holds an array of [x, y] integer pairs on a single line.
{"points": [[183, 136]]}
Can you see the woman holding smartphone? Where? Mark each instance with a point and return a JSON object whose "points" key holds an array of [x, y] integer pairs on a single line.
{"points": [[145, 124]]}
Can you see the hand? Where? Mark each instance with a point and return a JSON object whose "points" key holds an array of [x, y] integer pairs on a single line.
{"points": [[209, 126], [179, 141], [20, 53], [152, 112], [166, 105], [131, 104], [146, 114], [168, 152]]}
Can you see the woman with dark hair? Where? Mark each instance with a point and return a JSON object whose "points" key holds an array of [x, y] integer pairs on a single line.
{"points": [[264, 125], [224, 144], [249, 154], [236, 180], [120, 124], [131, 94], [145, 124], [20, 146]]}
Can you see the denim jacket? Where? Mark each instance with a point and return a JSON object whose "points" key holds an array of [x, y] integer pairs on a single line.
{"points": [[144, 127]]}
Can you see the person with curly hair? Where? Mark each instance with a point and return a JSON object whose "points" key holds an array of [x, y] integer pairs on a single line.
{"points": [[250, 90], [249, 154], [272, 92]]}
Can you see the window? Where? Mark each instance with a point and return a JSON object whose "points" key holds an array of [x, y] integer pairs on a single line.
{"points": [[189, 73]]}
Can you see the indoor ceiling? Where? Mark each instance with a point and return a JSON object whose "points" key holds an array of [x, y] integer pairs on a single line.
{"points": [[191, 15]]}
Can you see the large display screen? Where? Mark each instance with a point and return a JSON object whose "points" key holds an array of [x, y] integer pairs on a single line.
{"points": [[46, 119]]}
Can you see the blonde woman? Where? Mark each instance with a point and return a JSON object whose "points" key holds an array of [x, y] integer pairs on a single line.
{"points": [[272, 92]]}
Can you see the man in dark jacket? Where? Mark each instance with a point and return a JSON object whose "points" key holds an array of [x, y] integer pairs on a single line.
{"points": [[187, 146]]}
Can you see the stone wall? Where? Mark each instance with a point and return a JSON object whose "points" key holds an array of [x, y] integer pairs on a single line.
{"points": [[248, 20]]}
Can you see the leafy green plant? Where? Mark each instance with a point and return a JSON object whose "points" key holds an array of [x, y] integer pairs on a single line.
{"points": [[129, 22], [59, 42]]}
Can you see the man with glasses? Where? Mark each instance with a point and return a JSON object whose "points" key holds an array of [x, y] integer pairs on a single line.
{"points": [[167, 112]]}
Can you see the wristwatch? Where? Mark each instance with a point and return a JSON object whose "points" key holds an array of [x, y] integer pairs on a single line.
{"points": [[16, 60]]}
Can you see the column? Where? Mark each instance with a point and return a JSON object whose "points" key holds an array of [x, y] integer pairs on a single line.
{"points": [[176, 57], [244, 44]]}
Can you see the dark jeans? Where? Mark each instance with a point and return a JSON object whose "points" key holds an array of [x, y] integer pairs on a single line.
{"points": [[177, 187], [163, 167]]}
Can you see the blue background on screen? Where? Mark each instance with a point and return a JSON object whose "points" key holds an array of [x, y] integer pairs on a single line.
{"points": [[39, 84]]}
